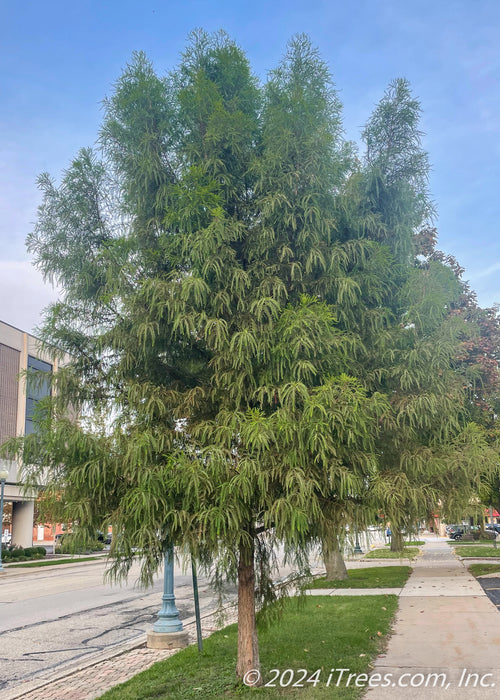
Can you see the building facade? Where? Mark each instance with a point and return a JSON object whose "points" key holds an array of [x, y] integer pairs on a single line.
{"points": [[20, 351]]}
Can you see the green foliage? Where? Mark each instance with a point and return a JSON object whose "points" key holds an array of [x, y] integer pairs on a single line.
{"points": [[397, 167], [22, 554], [431, 454], [73, 545]]}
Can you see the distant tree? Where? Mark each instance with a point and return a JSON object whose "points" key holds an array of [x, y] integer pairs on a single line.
{"points": [[397, 169], [430, 454], [477, 363]]}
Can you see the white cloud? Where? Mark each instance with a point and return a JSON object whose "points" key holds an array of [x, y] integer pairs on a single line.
{"points": [[486, 272], [23, 294]]}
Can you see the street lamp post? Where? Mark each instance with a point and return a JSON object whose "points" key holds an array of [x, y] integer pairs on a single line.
{"points": [[4, 473], [357, 548], [167, 631], [168, 617]]}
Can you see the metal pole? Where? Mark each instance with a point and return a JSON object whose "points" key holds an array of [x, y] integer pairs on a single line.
{"points": [[494, 531], [2, 481], [168, 617], [357, 548], [196, 606]]}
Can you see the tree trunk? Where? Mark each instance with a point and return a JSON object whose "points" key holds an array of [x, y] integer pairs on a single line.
{"points": [[396, 540], [248, 645], [334, 562]]}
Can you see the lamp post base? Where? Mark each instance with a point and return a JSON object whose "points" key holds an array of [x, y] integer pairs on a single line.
{"points": [[167, 640]]}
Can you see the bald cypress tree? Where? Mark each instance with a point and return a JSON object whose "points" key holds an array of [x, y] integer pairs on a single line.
{"points": [[195, 259], [431, 456]]}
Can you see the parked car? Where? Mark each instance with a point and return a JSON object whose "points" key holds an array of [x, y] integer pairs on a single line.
{"points": [[106, 538], [451, 529], [495, 527], [6, 537]]}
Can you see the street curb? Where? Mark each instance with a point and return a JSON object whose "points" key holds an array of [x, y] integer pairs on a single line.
{"points": [[333, 592], [480, 560], [31, 570]]}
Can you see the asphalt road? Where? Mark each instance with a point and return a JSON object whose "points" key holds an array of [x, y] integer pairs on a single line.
{"points": [[491, 587], [53, 616]]}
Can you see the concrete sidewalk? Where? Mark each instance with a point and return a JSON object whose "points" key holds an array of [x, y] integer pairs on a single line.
{"points": [[445, 626]]}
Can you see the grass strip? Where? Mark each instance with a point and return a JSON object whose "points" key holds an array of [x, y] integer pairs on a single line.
{"points": [[407, 553], [477, 552], [481, 569], [314, 634], [373, 577], [417, 543], [472, 543], [33, 564]]}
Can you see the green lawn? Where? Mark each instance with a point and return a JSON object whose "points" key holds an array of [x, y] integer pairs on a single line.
{"points": [[474, 543], [417, 543], [374, 577], [480, 569], [479, 551], [32, 564], [407, 553], [316, 633]]}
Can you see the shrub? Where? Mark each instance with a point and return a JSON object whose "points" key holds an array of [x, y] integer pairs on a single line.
{"points": [[69, 546], [23, 554]]}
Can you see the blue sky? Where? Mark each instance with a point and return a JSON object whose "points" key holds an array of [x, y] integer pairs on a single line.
{"points": [[58, 60]]}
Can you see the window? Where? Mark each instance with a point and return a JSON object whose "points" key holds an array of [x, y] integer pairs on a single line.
{"points": [[36, 388]]}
